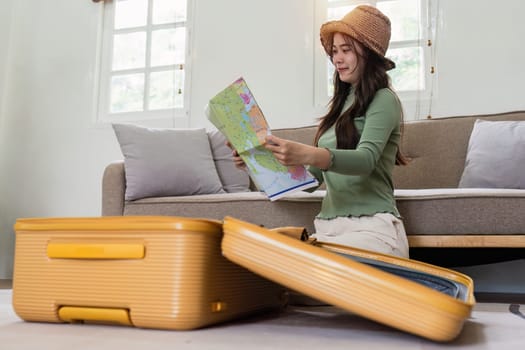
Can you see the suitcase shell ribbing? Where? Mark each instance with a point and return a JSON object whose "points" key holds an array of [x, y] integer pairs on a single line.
{"points": [[150, 272], [356, 280]]}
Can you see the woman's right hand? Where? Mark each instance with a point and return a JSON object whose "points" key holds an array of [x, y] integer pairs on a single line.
{"points": [[237, 160]]}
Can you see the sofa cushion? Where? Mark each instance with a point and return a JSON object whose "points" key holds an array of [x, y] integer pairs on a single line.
{"points": [[495, 155], [296, 209], [462, 211], [424, 212], [232, 179], [166, 162]]}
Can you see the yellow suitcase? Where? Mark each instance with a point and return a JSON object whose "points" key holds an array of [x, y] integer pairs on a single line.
{"points": [[412, 296], [151, 272]]}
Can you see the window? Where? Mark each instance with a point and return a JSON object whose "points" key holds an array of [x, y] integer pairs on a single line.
{"points": [[409, 48], [143, 67]]}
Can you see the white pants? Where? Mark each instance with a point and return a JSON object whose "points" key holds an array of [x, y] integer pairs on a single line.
{"points": [[381, 233]]}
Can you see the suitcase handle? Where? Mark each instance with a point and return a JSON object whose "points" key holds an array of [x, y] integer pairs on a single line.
{"points": [[74, 314], [95, 250], [297, 232]]}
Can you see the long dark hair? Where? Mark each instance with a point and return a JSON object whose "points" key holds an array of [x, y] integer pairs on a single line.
{"points": [[373, 78]]}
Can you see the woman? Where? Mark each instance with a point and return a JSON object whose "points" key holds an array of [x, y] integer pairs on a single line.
{"points": [[357, 141]]}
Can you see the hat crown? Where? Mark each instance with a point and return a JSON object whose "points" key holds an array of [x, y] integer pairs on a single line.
{"points": [[367, 25], [371, 26]]}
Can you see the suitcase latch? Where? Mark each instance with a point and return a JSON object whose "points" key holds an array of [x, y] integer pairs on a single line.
{"points": [[218, 306]]}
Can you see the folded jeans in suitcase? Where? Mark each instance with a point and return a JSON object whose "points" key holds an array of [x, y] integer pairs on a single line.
{"points": [[151, 272], [409, 295]]}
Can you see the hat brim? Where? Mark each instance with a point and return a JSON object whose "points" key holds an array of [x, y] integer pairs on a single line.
{"points": [[329, 28]]}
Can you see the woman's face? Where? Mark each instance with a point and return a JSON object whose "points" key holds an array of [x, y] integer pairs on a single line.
{"points": [[345, 57]]}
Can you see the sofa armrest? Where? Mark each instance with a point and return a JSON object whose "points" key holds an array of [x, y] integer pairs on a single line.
{"points": [[113, 189]]}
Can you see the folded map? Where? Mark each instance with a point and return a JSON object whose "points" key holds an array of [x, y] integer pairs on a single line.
{"points": [[237, 115]]}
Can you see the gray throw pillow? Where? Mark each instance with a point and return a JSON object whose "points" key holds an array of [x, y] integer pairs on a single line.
{"points": [[232, 178], [495, 155], [166, 162]]}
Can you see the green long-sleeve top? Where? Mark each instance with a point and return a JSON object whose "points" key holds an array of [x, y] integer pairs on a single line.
{"points": [[359, 181]]}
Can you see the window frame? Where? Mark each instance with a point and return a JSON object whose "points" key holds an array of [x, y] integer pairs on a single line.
{"points": [[178, 116], [410, 98]]}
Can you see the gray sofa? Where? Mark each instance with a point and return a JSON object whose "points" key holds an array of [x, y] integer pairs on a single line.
{"points": [[436, 212]]}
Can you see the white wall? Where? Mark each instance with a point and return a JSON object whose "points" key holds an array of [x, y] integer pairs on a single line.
{"points": [[52, 156], [6, 237], [6, 7], [272, 49], [54, 161], [480, 57]]}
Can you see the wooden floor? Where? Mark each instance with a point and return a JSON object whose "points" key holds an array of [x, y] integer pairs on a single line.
{"points": [[5, 284]]}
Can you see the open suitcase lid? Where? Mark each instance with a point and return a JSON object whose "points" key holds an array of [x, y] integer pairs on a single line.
{"points": [[409, 295]]}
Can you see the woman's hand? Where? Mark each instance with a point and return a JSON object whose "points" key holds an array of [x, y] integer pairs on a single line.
{"points": [[287, 152], [237, 160], [290, 153]]}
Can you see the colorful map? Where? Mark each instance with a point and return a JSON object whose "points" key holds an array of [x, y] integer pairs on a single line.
{"points": [[237, 115]]}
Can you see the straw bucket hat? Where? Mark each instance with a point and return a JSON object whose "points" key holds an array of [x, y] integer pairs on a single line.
{"points": [[367, 25]]}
